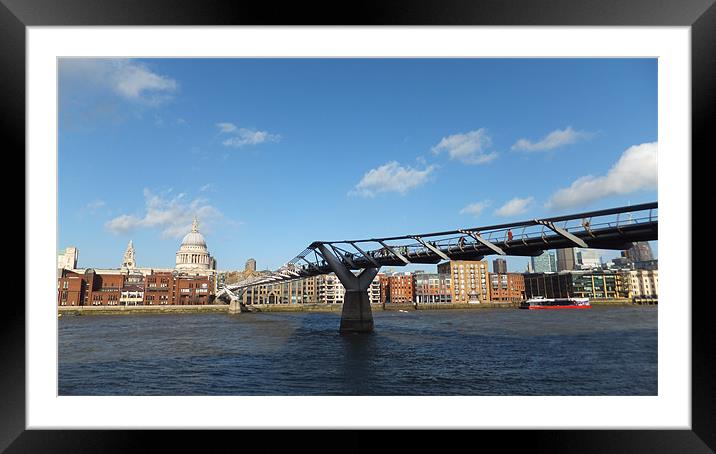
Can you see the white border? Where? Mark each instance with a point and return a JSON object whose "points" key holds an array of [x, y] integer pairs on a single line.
{"points": [[670, 409]]}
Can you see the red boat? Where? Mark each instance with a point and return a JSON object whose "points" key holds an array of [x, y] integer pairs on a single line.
{"points": [[539, 302]]}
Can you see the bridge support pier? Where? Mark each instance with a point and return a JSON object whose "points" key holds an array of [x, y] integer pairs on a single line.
{"points": [[357, 316], [235, 306]]}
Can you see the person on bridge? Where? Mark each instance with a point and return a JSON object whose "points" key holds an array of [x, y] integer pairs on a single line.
{"points": [[509, 235]]}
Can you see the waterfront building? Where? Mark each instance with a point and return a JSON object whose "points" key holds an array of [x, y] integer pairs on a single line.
{"points": [[565, 259], [384, 282], [160, 288], [190, 290], [103, 288], [91, 287], [374, 291], [507, 287], [71, 288], [499, 266], [432, 288], [193, 255], [307, 293], [469, 280], [323, 289], [131, 295], [401, 288], [330, 289], [132, 285], [548, 285], [641, 283], [303, 291], [544, 263], [596, 283]]}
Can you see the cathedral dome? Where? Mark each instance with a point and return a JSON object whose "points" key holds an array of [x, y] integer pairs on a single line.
{"points": [[193, 238], [193, 253]]}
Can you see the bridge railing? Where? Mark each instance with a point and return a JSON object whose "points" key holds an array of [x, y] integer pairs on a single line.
{"points": [[518, 232], [356, 254]]}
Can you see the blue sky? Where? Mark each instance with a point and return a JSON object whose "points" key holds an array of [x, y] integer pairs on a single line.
{"points": [[272, 154]]}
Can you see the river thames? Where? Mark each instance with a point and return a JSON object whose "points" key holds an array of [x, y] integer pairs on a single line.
{"points": [[600, 351]]}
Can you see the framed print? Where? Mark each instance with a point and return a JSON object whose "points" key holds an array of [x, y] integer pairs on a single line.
{"points": [[240, 145]]}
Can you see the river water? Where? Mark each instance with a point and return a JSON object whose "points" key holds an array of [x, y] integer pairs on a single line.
{"points": [[601, 351]]}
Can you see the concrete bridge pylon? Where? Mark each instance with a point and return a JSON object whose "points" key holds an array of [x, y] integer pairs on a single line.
{"points": [[357, 316]]}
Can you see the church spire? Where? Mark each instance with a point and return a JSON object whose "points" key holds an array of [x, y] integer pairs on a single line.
{"points": [[128, 260]]}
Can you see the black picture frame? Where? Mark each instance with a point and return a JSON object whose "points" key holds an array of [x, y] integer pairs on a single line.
{"points": [[700, 15]]}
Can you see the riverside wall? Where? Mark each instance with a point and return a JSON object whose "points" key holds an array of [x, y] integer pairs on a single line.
{"points": [[224, 308], [105, 310]]}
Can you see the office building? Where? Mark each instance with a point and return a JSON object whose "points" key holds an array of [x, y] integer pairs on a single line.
{"points": [[640, 252], [588, 259], [544, 263], [597, 283], [499, 266], [565, 259]]}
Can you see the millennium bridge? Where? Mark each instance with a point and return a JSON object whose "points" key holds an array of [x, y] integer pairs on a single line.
{"points": [[356, 262]]}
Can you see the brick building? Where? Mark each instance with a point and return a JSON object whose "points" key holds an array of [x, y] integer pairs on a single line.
{"points": [[469, 280], [396, 288], [431, 288], [507, 287], [92, 287], [71, 288], [194, 289]]}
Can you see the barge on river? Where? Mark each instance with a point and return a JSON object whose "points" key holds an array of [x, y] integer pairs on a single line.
{"points": [[540, 302]]}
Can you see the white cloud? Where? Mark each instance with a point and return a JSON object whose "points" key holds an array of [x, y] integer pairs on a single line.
{"points": [[475, 208], [391, 177], [469, 148], [514, 207], [555, 139], [123, 224], [635, 170], [172, 215], [245, 136], [136, 81], [129, 79], [226, 127]]}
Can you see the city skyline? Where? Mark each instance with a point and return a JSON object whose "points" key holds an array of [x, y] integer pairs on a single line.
{"points": [[273, 154]]}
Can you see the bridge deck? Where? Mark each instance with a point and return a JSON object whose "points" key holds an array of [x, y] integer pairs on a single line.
{"points": [[615, 228]]}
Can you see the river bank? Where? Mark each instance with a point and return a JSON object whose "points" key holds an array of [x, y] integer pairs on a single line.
{"points": [[224, 308]]}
